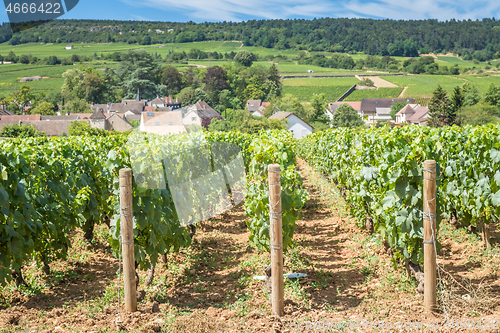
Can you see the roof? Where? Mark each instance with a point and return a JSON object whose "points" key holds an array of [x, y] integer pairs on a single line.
{"points": [[205, 111], [3, 110], [285, 115], [355, 105], [157, 100], [30, 78], [102, 107], [81, 115], [54, 127], [419, 115], [371, 104], [51, 128], [97, 115], [63, 117], [118, 123], [15, 118], [253, 104], [281, 115], [407, 109]]}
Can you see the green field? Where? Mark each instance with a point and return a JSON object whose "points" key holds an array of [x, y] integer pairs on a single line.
{"points": [[304, 93], [304, 88], [481, 82], [424, 85], [358, 95], [321, 81], [12, 73]]}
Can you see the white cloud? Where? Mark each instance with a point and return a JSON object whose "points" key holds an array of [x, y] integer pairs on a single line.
{"points": [[237, 10]]}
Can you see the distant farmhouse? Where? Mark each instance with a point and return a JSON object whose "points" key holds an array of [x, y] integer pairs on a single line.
{"points": [[413, 114], [296, 125], [257, 107], [69, 47], [375, 109]]}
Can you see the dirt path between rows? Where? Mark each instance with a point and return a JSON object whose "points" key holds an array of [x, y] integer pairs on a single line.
{"points": [[209, 287]]}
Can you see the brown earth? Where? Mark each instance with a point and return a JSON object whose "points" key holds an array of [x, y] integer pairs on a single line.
{"points": [[209, 287]]}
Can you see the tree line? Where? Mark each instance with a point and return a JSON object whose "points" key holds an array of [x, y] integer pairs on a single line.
{"points": [[469, 39]]}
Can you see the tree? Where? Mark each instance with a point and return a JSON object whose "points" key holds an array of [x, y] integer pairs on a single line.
{"points": [[253, 93], [492, 96], [275, 80], [479, 114], [172, 79], [215, 81], [78, 105], [83, 83], [244, 58], [44, 108], [24, 95], [346, 116], [471, 95], [318, 111], [457, 102], [440, 109], [139, 71], [287, 103], [20, 131], [78, 128], [396, 107]]}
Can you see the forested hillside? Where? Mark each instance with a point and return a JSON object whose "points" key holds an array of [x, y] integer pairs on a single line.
{"points": [[470, 39]]}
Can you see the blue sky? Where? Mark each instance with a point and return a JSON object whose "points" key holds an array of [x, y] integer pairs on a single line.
{"points": [[242, 10]]}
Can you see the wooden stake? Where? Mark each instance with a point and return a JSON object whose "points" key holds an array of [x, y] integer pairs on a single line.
{"points": [[277, 293], [127, 233], [430, 303]]}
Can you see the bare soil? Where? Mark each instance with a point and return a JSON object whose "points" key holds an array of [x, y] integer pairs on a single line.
{"points": [[209, 287]]}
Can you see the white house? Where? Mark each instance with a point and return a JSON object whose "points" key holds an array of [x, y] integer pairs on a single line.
{"points": [[69, 47], [200, 114], [169, 122], [297, 126], [412, 114]]}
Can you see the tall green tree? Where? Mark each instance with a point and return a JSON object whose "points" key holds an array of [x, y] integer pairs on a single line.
{"points": [[318, 110], [492, 96], [172, 79], [44, 108], [83, 83], [471, 94], [439, 108], [346, 116], [457, 102], [244, 58], [139, 71]]}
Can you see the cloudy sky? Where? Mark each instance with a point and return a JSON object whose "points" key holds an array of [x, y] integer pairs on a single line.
{"points": [[242, 10]]}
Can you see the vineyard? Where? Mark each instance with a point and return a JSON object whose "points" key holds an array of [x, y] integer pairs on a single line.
{"points": [[59, 193]]}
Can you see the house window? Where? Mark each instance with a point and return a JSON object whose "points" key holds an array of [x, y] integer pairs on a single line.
{"points": [[170, 123], [193, 118], [157, 123], [150, 114]]}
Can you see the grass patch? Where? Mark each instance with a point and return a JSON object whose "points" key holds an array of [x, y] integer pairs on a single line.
{"points": [[358, 95]]}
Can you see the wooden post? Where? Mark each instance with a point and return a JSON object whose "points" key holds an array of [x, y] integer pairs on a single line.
{"points": [[430, 303], [276, 235], [127, 233]]}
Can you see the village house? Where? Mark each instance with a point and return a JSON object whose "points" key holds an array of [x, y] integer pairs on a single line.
{"points": [[295, 124], [200, 114], [414, 114], [332, 107], [256, 107], [379, 109], [162, 123]]}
